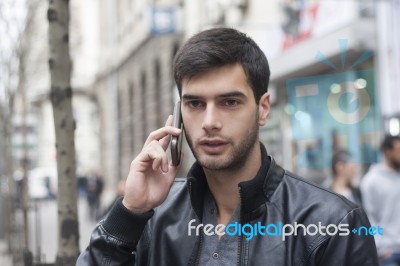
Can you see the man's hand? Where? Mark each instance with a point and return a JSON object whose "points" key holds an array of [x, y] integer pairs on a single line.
{"points": [[151, 176]]}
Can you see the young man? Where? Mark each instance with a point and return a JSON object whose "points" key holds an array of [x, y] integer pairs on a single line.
{"points": [[222, 77], [380, 189]]}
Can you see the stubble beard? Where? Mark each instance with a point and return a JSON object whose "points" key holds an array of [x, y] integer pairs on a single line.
{"points": [[395, 164], [236, 158]]}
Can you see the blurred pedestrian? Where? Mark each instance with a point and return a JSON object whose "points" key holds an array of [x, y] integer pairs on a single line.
{"points": [[82, 185], [343, 175], [49, 188], [381, 194], [18, 178], [94, 188]]}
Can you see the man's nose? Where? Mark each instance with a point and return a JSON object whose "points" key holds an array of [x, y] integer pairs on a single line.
{"points": [[211, 119]]}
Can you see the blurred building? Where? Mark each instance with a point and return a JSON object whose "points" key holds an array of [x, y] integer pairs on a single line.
{"points": [[323, 65], [134, 85], [333, 66], [29, 128]]}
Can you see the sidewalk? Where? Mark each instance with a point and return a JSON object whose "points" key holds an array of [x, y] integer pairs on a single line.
{"points": [[43, 232], [5, 258]]}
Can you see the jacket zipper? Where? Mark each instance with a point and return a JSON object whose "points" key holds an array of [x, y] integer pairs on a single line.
{"points": [[239, 257], [199, 250], [201, 234], [240, 242]]}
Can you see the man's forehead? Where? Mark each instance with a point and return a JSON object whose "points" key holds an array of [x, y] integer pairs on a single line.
{"points": [[220, 82]]}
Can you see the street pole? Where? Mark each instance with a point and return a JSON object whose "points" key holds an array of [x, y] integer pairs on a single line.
{"points": [[28, 258]]}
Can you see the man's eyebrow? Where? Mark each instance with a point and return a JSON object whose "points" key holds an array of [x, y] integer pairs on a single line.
{"points": [[190, 97], [232, 94], [223, 95]]}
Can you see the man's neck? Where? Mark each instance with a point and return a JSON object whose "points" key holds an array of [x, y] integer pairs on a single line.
{"points": [[224, 184]]}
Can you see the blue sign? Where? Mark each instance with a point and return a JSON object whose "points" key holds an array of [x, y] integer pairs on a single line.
{"points": [[163, 20]]}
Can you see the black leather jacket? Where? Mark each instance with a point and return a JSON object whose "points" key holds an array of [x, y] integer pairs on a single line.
{"points": [[161, 237]]}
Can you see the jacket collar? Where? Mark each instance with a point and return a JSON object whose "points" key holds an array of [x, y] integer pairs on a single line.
{"points": [[254, 193]]}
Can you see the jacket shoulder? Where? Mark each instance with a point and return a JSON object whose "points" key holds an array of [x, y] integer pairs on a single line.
{"points": [[309, 196]]}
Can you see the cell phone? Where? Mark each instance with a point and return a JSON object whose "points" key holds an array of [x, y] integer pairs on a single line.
{"points": [[176, 142]]}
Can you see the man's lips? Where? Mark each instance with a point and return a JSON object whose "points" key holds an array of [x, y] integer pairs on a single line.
{"points": [[212, 142], [213, 146]]}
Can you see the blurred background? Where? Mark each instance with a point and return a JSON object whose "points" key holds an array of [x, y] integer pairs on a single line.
{"points": [[122, 52]]}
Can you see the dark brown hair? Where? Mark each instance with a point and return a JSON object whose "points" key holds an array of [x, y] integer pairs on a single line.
{"points": [[342, 156], [219, 47], [388, 142]]}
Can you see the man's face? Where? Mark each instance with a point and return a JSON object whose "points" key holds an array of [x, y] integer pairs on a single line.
{"points": [[393, 155], [346, 171], [221, 117]]}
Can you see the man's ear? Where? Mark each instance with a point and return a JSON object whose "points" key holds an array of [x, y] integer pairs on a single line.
{"points": [[263, 109]]}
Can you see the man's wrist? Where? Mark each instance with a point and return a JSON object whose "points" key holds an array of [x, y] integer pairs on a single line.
{"points": [[134, 209], [124, 224]]}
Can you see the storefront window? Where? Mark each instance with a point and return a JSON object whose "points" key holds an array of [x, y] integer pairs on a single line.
{"points": [[331, 112]]}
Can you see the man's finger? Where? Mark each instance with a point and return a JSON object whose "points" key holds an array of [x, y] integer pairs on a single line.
{"points": [[162, 132], [173, 169], [169, 121], [164, 158], [156, 164], [165, 140], [151, 153]]}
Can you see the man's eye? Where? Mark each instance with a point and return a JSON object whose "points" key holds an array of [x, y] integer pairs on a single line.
{"points": [[194, 104], [231, 102]]}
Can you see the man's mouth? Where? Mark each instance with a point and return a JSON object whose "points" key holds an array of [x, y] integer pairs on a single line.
{"points": [[213, 146]]}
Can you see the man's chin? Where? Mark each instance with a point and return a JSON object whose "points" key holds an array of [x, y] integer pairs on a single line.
{"points": [[209, 156], [213, 163], [215, 166]]}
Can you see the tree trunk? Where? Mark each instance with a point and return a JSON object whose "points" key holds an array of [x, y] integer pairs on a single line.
{"points": [[61, 98]]}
